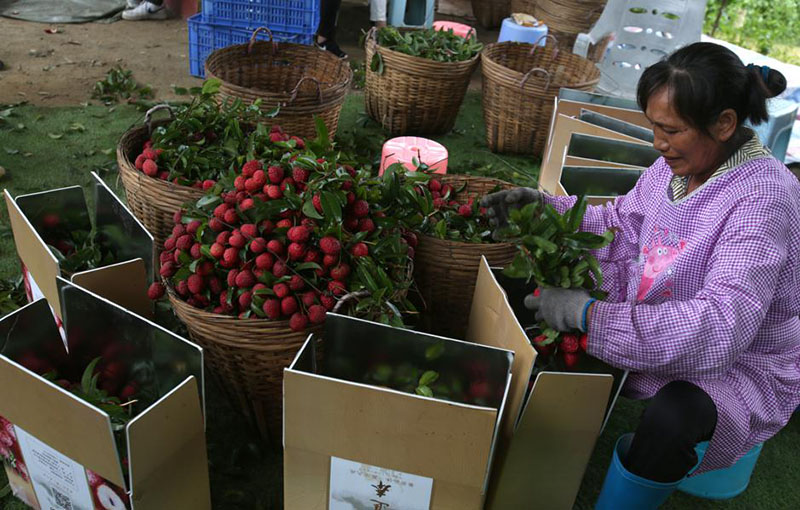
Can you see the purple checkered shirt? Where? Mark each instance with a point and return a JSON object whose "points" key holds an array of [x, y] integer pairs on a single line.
{"points": [[706, 289]]}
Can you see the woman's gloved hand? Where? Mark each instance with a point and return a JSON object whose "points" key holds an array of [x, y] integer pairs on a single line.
{"points": [[561, 309], [498, 204]]}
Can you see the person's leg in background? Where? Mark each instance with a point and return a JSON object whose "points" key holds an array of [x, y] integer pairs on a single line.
{"points": [[377, 12], [679, 416], [326, 33], [141, 10]]}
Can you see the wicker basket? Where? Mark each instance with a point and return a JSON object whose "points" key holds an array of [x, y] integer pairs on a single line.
{"points": [[153, 201], [303, 81], [569, 17], [415, 95], [519, 83], [247, 357], [491, 13], [445, 271]]}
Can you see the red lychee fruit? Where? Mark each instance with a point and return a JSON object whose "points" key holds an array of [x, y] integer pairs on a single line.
{"points": [[330, 245], [156, 291]]}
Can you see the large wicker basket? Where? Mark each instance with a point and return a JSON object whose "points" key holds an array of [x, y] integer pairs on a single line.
{"points": [[415, 95], [519, 83], [491, 13], [568, 17], [303, 81], [445, 271], [153, 201], [247, 356]]}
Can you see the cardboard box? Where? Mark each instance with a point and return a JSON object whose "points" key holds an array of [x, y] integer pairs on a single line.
{"points": [[346, 440], [61, 451], [550, 427], [124, 282], [594, 140]]}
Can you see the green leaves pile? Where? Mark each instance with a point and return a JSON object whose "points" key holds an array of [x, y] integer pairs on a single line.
{"points": [[552, 251], [208, 139], [438, 45], [119, 84]]}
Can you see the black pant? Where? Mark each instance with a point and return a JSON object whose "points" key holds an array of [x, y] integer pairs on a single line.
{"points": [[329, 9], [679, 416]]}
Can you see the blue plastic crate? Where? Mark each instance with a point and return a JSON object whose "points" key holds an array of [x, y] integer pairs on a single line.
{"points": [[293, 16], [204, 38]]}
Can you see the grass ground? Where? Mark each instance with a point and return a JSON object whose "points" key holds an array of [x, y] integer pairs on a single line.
{"points": [[57, 147]]}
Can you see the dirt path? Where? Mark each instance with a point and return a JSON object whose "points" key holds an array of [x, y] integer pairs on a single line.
{"points": [[61, 68]]}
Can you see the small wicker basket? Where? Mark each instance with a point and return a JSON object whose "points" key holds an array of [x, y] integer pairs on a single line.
{"points": [[415, 95], [153, 201], [303, 81], [520, 81], [445, 271]]}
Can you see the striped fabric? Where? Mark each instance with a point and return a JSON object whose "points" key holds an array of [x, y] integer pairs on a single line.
{"points": [[721, 302], [750, 150]]}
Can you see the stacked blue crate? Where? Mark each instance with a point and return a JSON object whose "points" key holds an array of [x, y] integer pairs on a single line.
{"points": [[226, 22]]}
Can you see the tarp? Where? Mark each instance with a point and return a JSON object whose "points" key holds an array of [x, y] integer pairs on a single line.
{"points": [[60, 11], [792, 93]]}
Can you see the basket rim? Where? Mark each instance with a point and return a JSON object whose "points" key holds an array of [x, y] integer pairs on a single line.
{"points": [[400, 55], [332, 89], [174, 298], [129, 167], [488, 61]]}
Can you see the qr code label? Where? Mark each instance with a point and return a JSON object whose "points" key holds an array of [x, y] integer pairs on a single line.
{"points": [[62, 501]]}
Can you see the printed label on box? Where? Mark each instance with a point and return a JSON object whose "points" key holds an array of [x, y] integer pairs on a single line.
{"points": [[58, 482], [357, 486]]}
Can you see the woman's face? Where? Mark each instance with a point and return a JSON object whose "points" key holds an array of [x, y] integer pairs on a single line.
{"points": [[687, 150]]}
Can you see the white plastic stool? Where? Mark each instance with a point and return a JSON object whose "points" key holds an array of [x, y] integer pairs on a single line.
{"points": [[777, 130], [411, 13], [643, 31], [510, 31]]}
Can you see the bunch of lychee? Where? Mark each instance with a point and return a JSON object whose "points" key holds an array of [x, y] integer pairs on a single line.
{"points": [[238, 260]]}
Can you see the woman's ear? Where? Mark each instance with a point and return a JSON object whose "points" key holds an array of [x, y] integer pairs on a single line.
{"points": [[725, 126]]}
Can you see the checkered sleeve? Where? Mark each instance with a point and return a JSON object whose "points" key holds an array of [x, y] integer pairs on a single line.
{"points": [[703, 336]]}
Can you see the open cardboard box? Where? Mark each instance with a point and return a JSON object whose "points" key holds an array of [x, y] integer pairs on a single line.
{"points": [[64, 451], [124, 282], [549, 428], [594, 141], [345, 440]]}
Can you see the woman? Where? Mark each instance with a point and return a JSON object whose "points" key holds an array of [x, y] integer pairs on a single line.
{"points": [[703, 277]]}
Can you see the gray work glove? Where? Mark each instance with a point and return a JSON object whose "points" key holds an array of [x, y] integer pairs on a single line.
{"points": [[499, 204], [561, 309]]}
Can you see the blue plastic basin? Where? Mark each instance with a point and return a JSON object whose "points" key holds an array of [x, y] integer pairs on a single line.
{"points": [[722, 483]]}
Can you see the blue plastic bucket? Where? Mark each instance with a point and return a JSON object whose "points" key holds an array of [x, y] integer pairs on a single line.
{"points": [[622, 490], [722, 483]]}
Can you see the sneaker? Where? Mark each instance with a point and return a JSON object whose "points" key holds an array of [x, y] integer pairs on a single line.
{"points": [[145, 10], [330, 45], [130, 4]]}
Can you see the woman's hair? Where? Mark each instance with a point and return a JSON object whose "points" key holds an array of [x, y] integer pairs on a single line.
{"points": [[705, 79]]}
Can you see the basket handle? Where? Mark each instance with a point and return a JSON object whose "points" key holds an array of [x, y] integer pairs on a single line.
{"points": [[348, 297], [546, 36], [530, 73], [253, 40], [296, 89], [151, 111]]}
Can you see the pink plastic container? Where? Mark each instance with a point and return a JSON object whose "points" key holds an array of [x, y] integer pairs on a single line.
{"points": [[460, 29], [405, 148]]}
